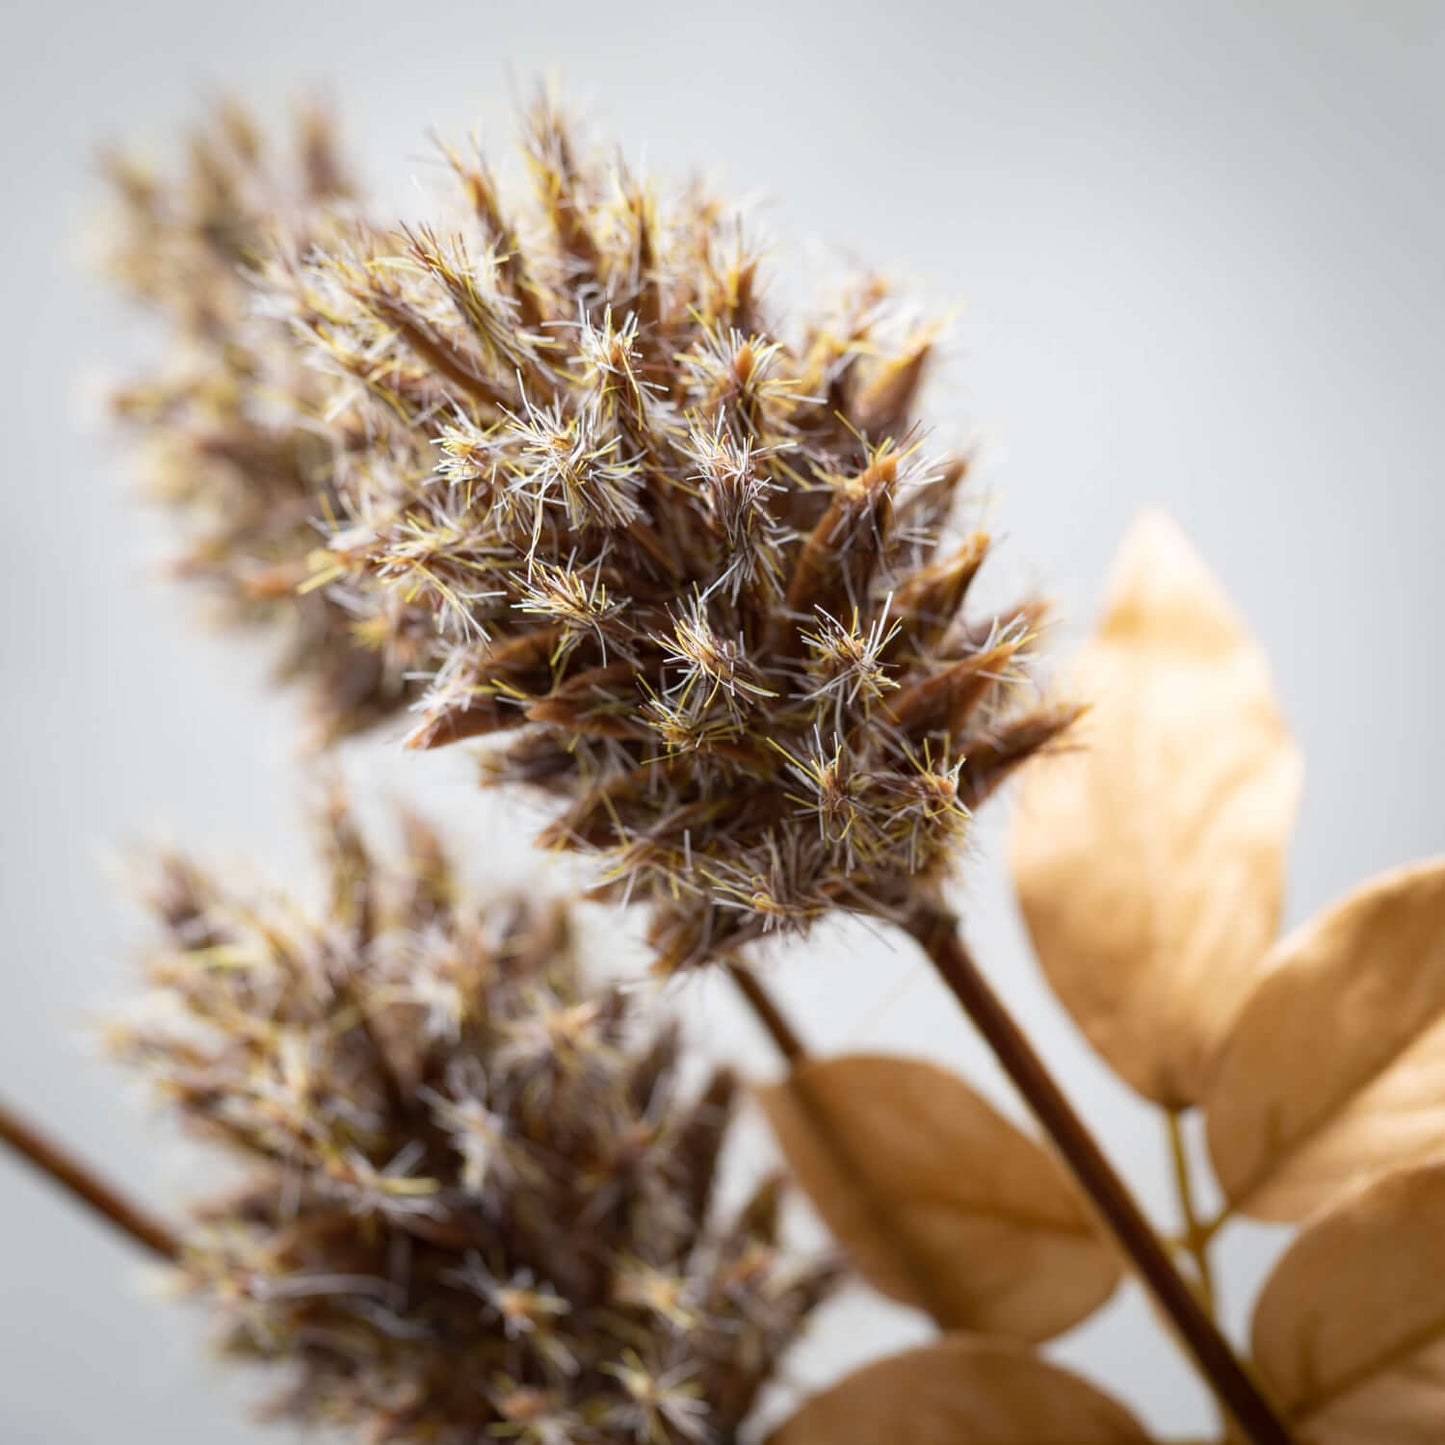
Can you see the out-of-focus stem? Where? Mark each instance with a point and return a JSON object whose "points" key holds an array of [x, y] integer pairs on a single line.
{"points": [[1195, 1238], [768, 1013], [795, 1053], [82, 1183]]}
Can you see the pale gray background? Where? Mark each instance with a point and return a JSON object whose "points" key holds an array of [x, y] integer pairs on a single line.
{"points": [[1199, 254]]}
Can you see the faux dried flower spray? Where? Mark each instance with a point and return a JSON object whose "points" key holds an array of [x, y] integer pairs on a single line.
{"points": [[556, 469], [697, 559]]}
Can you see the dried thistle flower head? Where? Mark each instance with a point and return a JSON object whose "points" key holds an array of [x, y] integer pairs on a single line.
{"points": [[231, 441], [476, 1203], [695, 556]]}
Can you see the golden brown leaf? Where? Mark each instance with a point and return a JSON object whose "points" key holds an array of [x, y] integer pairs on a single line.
{"points": [[961, 1389], [1336, 1068], [1350, 1329], [1149, 856], [942, 1203]]}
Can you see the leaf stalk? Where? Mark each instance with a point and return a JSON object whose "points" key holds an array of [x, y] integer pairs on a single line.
{"points": [[1196, 1238]]}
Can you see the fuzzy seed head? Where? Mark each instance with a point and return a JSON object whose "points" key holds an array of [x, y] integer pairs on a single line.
{"points": [[662, 540], [476, 1200], [745, 696]]}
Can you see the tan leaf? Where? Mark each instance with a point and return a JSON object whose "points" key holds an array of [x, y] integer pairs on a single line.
{"points": [[942, 1203], [1149, 856], [1349, 1332], [957, 1390], [1335, 1069]]}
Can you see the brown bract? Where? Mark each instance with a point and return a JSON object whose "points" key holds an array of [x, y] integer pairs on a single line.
{"points": [[1349, 1331], [476, 1201], [1150, 856], [958, 1389], [692, 554], [941, 1202], [1335, 1070]]}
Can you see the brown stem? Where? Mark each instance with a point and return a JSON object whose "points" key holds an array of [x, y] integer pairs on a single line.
{"points": [[62, 1168], [911, 1262], [937, 933], [1208, 1228], [767, 1012]]}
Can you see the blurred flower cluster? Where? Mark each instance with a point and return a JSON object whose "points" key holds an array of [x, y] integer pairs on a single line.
{"points": [[476, 1201], [227, 425]]}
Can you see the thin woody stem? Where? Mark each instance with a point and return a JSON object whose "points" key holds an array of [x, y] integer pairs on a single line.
{"points": [[937, 933], [913, 1263], [81, 1183], [768, 1013], [1208, 1228], [1195, 1240]]}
